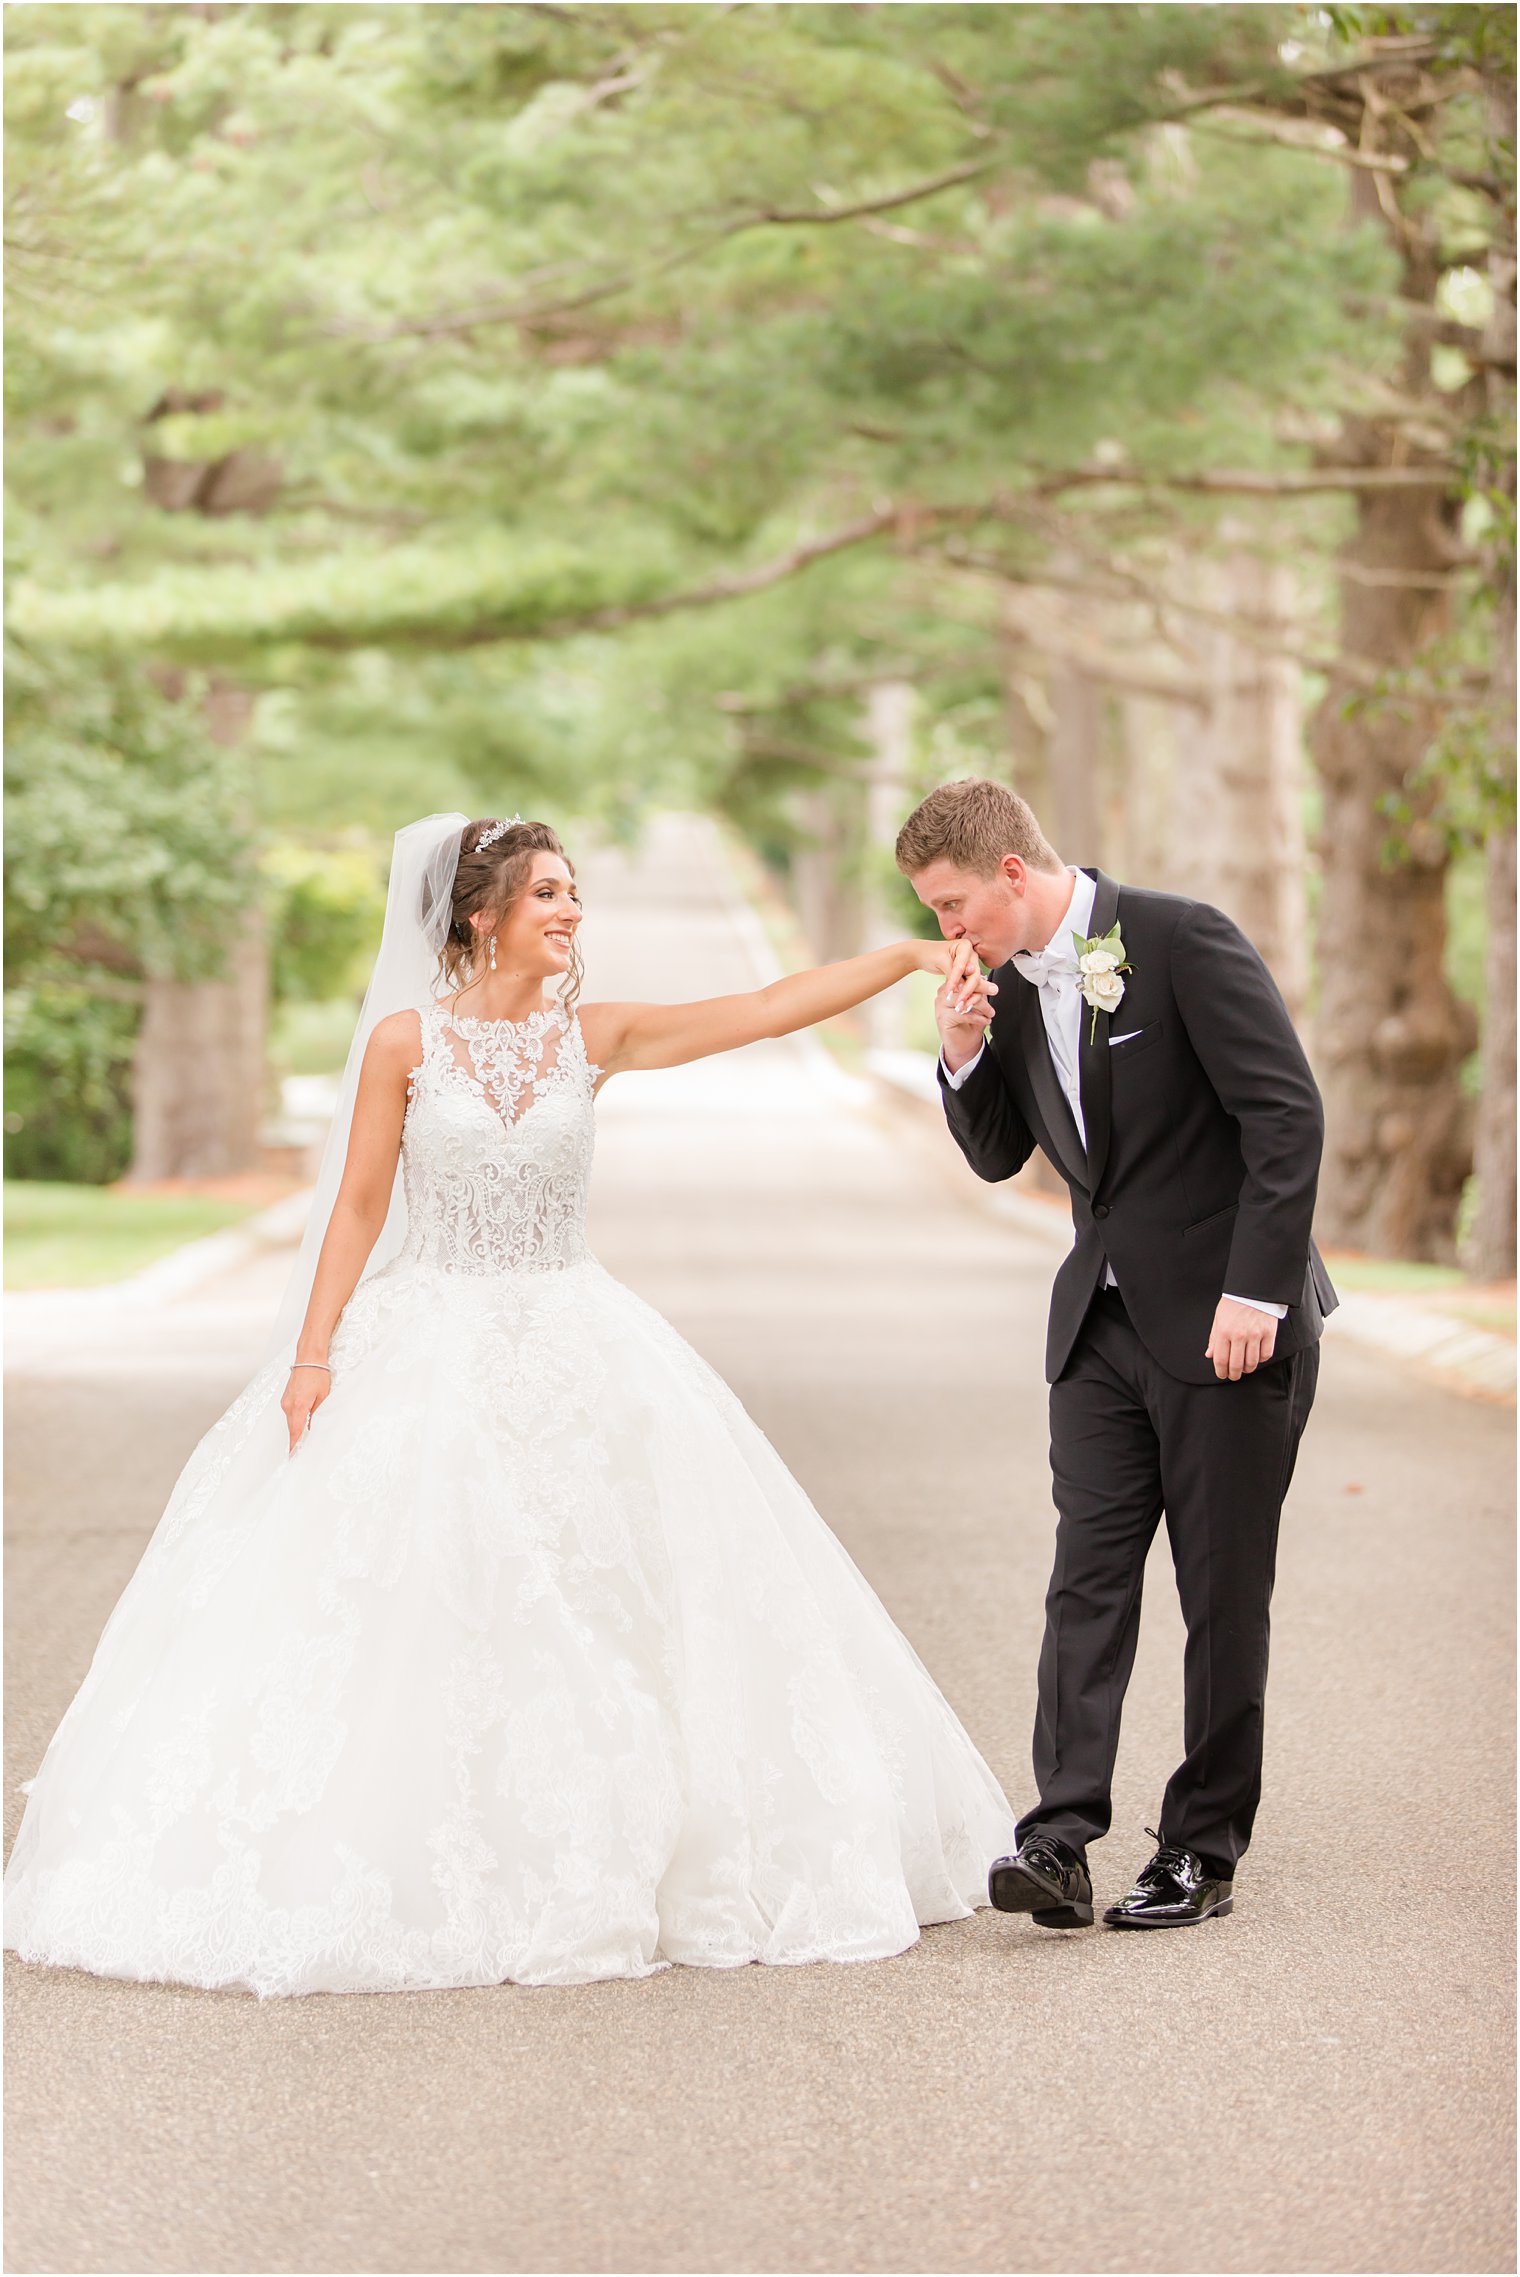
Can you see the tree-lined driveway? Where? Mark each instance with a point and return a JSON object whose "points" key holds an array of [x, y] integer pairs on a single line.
{"points": [[1321, 2082]]}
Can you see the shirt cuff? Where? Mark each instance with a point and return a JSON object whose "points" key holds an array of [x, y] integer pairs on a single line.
{"points": [[1260, 1304], [955, 1081]]}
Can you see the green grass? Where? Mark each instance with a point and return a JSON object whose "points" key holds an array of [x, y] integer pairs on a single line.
{"points": [[312, 1039], [1390, 1276], [1445, 1289], [920, 1033], [1498, 1319], [74, 1237]]}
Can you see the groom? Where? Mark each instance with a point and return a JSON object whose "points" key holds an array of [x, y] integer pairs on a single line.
{"points": [[1157, 1068]]}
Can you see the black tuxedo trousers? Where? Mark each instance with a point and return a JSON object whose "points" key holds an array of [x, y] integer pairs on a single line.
{"points": [[1129, 1443]]}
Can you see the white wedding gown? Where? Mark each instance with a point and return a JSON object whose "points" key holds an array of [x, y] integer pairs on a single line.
{"points": [[533, 1662]]}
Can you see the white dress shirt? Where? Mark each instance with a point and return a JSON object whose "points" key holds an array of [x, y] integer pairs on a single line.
{"points": [[1061, 1004]]}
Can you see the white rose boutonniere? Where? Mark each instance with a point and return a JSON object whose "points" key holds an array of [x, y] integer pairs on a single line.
{"points": [[1100, 962]]}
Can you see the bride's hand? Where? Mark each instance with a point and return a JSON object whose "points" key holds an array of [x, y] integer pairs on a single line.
{"points": [[305, 1390], [962, 1013], [964, 1001], [956, 964]]}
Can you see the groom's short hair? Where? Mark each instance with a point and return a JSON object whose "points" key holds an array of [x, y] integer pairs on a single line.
{"points": [[973, 824]]}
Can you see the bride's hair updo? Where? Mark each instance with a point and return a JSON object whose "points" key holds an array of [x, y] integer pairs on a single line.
{"points": [[490, 879]]}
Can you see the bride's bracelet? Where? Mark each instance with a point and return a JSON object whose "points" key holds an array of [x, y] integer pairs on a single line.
{"points": [[322, 1364]]}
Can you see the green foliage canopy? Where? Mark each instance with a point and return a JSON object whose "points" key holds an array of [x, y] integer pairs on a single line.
{"points": [[549, 319]]}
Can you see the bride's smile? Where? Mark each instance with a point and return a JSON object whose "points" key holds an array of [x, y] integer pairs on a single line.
{"points": [[520, 946]]}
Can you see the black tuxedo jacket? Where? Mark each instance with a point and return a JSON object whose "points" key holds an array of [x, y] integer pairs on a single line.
{"points": [[1204, 1133]]}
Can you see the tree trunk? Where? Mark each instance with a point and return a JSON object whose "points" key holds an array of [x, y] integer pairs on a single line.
{"points": [[1492, 1249], [1075, 820], [889, 734], [1150, 733], [826, 870], [1392, 1036], [1491, 1255], [1026, 712], [200, 1063], [1237, 815], [199, 1072]]}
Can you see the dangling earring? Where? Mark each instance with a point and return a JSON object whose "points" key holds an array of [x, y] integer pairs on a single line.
{"points": [[493, 952]]}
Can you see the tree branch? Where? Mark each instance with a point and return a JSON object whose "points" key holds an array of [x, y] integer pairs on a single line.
{"points": [[764, 217], [758, 745], [1404, 580], [1097, 660], [1282, 138], [908, 521], [1445, 331], [1251, 632], [783, 218], [1247, 482], [743, 582]]}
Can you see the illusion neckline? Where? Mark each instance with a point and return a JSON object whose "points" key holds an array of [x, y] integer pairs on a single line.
{"points": [[476, 1020]]}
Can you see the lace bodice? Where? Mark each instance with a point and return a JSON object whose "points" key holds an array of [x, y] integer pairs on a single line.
{"points": [[496, 1144]]}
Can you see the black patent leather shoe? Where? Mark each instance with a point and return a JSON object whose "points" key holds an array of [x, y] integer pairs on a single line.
{"points": [[1045, 1879], [1175, 1890]]}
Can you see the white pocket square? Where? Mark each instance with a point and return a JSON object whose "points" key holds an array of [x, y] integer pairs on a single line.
{"points": [[1127, 1037]]}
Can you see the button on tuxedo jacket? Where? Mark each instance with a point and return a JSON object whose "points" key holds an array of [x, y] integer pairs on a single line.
{"points": [[1204, 1133]]}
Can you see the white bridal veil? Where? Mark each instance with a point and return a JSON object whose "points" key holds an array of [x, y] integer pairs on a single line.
{"points": [[407, 973]]}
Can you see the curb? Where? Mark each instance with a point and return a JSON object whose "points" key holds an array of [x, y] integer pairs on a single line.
{"points": [[1463, 1359], [1469, 1359], [185, 1268]]}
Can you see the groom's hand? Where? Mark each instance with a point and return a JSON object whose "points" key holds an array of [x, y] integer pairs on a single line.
{"points": [[962, 1010], [1240, 1340]]}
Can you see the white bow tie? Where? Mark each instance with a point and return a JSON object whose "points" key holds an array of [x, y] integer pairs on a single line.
{"points": [[1044, 967]]}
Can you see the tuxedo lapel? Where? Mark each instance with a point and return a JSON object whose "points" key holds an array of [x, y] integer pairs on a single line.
{"points": [[1043, 1080], [1094, 1069]]}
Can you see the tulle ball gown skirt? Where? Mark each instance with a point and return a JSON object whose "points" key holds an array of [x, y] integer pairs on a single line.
{"points": [[532, 1663]]}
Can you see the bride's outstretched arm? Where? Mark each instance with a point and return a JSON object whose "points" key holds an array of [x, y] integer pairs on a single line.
{"points": [[622, 1036], [358, 1212]]}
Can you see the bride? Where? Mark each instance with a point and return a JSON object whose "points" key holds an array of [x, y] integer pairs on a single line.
{"points": [[485, 1637]]}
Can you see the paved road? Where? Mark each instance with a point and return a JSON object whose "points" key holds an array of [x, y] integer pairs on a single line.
{"points": [[1320, 2083]]}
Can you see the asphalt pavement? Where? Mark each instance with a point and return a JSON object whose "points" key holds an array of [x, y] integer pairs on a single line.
{"points": [[1321, 2082]]}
